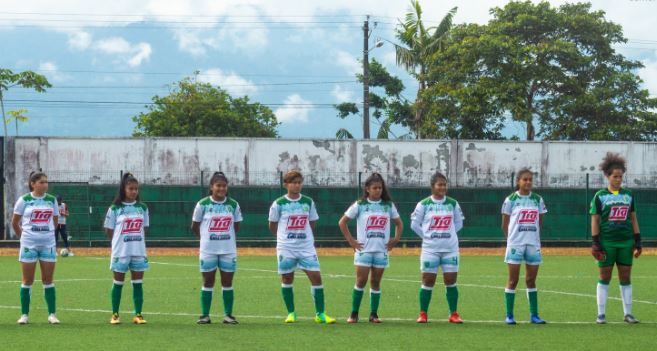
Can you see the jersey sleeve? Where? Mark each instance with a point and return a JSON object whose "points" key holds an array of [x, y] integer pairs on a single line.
{"points": [[596, 205], [352, 211], [110, 220], [274, 213], [507, 207], [55, 208], [19, 207], [632, 205], [197, 216], [541, 207], [394, 214], [417, 217], [237, 213], [458, 218], [147, 219], [313, 216]]}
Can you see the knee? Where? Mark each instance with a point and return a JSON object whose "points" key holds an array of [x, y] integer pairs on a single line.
{"points": [[512, 283], [530, 282]]}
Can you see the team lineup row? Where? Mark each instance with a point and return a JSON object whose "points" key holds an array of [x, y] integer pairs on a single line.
{"points": [[436, 219]]}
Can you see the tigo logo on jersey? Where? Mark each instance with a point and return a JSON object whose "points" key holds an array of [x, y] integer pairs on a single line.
{"points": [[527, 216], [41, 216], [220, 224], [132, 226], [376, 223], [297, 222], [618, 213], [440, 223]]}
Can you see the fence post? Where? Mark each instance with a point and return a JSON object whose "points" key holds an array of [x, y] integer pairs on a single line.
{"points": [[280, 181], [586, 203], [360, 181], [201, 182], [513, 175]]}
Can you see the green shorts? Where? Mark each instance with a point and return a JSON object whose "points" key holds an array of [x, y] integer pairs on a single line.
{"points": [[618, 252]]}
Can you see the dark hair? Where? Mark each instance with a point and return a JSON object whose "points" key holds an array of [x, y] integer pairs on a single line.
{"points": [[437, 176], [35, 177], [217, 177], [376, 178], [612, 161], [519, 175], [291, 176], [125, 180]]}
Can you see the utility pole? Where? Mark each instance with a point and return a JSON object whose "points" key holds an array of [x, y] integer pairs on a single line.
{"points": [[366, 83]]}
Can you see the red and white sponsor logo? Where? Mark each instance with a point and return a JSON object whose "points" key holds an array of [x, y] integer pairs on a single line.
{"points": [[619, 213], [220, 224], [528, 216], [376, 223], [41, 216], [297, 222], [132, 226], [440, 223]]}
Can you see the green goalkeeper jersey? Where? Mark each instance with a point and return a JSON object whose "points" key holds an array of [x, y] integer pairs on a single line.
{"points": [[614, 211]]}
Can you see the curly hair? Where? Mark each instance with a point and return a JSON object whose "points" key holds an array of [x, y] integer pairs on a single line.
{"points": [[612, 161]]}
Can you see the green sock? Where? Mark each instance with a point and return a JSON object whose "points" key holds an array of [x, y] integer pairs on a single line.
{"points": [[229, 297], [206, 301], [138, 295], [452, 294], [356, 298], [117, 288], [318, 296], [288, 297], [375, 298], [49, 294], [510, 297], [26, 293], [425, 298], [532, 296]]}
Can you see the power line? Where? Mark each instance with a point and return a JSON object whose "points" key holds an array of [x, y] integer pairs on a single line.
{"points": [[98, 102], [190, 74]]}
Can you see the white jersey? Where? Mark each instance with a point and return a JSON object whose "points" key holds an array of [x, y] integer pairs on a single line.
{"points": [[293, 218], [217, 225], [524, 213], [37, 213], [437, 222], [62, 212], [128, 221], [373, 223]]}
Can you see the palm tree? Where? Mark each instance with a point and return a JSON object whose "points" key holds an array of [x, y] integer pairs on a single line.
{"points": [[418, 44]]}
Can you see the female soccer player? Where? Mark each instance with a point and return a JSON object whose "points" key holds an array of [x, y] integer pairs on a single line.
{"points": [[125, 225], [61, 231], [616, 236], [522, 217], [215, 221], [373, 212], [34, 222], [292, 219], [437, 220]]}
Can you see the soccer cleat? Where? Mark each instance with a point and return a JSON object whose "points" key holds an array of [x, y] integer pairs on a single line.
{"points": [[291, 318], [52, 319], [138, 319], [422, 318], [203, 320], [630, 319], [374, 318], [455, 318], [353, 318], [115, 319], [324, 318], [510, 320], [601, 319], [23, 320], [535, 319], [230, 320]]}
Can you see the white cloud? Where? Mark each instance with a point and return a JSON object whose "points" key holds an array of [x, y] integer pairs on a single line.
{"points": [[649, 75], [190, 42], [295, 109], [341, 94], [51, 71], [348, 61], [132, 54], [233, 83], [79, 40]]}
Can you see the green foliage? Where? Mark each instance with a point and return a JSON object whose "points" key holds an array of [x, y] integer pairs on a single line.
{"points": [[198, 109], [25, 79]]}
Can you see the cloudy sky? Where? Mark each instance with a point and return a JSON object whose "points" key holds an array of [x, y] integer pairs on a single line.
{"points": [[106, 59]]}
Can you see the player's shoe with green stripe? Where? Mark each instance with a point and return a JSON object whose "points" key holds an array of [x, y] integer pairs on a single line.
{"points": [[630, 319], [324, 318], [291, 318]]}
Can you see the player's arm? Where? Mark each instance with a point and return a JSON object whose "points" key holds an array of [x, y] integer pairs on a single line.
{"points": [[109, 233], [196, 229], [506, 219], [273, 227], [344, 229], [399, 228], [236, 226], [16, 224], [596, 248], [313, 224], [638, 246], [417, 217]]}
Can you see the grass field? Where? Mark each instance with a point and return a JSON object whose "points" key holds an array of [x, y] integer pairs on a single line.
{"points": [[566, 299]]}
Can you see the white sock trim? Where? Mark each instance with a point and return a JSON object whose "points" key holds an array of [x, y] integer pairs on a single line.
{"points": [[315, 287], [509, 291], [283, 285], [450, 286], [138, 281], [426, 287], [230, 288], [47, 286], [117, 282], [532, 290], [358, 289], [207, 289], [23, 286], [375, 291]]}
